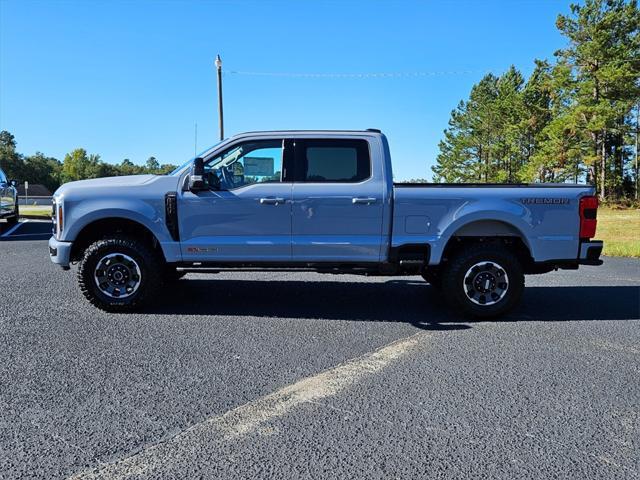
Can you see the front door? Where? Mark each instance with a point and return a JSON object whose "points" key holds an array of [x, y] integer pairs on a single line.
{"points": [[338, 202], [245, 216]]}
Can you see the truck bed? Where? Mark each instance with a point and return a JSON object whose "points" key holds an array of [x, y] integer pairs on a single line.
{"points": [[545, 216]]}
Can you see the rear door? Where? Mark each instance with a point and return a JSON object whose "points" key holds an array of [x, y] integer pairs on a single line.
{"points": [[337, 202]]}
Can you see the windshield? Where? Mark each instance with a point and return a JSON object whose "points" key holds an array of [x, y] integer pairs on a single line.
{"points": [[190, 161]]}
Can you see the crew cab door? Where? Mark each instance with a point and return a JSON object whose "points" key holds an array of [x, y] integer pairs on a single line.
{"points": [[247, 218], [338, 202]]}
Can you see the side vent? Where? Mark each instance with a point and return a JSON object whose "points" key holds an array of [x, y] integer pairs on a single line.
{"points": [[171, 215], [411, 257]]}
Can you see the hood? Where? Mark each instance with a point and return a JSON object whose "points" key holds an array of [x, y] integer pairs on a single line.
{"points": [[93, 184]]}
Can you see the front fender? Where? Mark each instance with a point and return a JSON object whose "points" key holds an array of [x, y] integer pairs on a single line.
{"points": [[82, 213]]}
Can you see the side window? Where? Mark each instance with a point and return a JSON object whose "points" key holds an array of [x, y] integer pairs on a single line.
{"points": [[333, 161], [246, 164], [3, 179]]}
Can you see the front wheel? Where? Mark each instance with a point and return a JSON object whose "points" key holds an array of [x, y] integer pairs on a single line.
{"points": [[483, 281], [119, 274]]}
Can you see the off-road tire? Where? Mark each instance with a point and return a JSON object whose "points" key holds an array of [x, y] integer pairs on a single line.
{"points": [[456, 270], [148, 261]]}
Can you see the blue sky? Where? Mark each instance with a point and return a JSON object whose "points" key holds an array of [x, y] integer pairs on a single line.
{"points": [[129, 79]]}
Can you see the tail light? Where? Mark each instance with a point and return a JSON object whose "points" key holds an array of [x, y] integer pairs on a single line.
{"points": [[588, 216]]}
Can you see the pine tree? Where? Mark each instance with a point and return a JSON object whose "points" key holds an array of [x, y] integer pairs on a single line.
{"points": [[484, 141], [573, 120], [604, 53]]}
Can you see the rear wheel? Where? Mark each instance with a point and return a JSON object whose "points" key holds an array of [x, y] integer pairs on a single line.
{"points": [[483, 281], [119, 274]]}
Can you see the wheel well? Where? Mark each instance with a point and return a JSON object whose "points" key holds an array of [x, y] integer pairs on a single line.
{"points": [[106, 227], [487, 228], [511, 242]]}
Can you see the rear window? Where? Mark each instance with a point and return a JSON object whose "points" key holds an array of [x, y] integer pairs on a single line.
{"points": [[333, 161]]}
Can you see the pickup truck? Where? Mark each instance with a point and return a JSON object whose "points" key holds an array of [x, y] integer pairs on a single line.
{"points": [[9, 208], [323, 201]]}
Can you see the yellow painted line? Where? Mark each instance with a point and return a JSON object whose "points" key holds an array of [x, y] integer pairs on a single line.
{"points": [[247, 418]]}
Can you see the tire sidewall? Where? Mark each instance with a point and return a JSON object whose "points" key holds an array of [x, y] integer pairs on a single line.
{"points": [[141, 255], [453, 282]]}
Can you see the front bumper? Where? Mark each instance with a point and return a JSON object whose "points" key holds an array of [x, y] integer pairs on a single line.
{"points": [[590, 252], [60, 252]]}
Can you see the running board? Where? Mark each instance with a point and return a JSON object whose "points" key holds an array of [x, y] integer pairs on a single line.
{"points": [[318, 269]]}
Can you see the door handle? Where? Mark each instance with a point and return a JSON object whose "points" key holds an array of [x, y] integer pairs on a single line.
{"points": [[271, 201], [363, 200]]}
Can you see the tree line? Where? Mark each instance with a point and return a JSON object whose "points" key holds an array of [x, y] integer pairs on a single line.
{"points": [[76, 165], [574, 119]]}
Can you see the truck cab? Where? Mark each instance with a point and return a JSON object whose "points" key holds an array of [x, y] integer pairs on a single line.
{"points": [[289, 199]]}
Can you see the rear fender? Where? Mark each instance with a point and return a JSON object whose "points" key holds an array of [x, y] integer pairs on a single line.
{"points": [[486, 223]]}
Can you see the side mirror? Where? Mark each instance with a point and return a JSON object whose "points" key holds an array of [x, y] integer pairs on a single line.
{"points": [[14, 183], [197, 181]]}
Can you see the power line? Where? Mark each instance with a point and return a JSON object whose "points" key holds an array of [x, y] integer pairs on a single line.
{"points": [[358, 75], [438, 73], [376, 74]]}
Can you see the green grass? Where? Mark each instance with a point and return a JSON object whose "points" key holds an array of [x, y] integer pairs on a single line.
{"points": [[620, 230], [43, 211]]}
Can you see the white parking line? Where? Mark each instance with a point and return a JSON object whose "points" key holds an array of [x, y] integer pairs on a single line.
{"points": [[14, 228], [249, 417]]}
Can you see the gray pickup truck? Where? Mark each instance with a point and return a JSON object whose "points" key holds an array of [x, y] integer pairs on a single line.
{"points": [[9, 208], [323, 201]]}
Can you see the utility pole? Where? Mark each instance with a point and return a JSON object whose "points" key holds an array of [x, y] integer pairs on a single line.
{"points": [[218, 64]]}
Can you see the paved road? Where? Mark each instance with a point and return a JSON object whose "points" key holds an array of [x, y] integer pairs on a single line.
{"points": [[277, 375]]}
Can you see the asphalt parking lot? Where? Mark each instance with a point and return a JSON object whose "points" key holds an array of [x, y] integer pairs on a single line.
{"points": [[281, 375]]}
